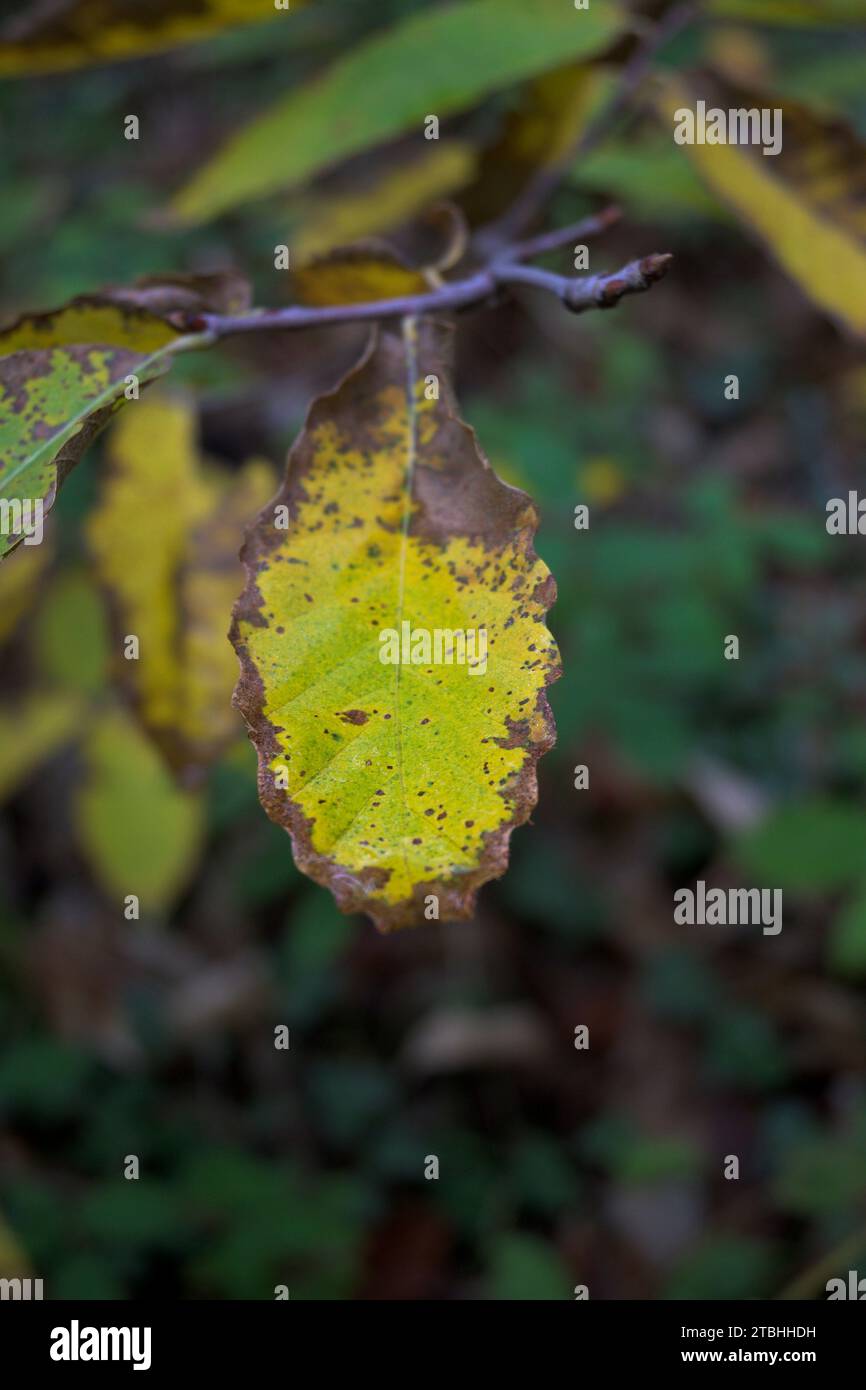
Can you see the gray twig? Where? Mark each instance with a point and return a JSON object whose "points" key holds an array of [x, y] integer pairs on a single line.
{"points": [[582, 292]]}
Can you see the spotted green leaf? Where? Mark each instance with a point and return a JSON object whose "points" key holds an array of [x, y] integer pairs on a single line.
{"points": [[63, 374]]}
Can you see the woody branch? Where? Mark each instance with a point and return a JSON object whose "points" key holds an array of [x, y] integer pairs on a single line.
{"points": [[500, 274]]}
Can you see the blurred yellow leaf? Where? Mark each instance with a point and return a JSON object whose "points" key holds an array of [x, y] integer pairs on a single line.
{"points": [[165, 537], [552, 113], [20, 575], [31, 731], [386, 199], [140, 832], [356, 275], [739, 54], [806, 203], [601, 481], [73, 33], [14, 1261]]}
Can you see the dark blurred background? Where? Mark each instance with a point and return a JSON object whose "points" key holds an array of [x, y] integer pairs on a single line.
{"points": [[557, 1166]]}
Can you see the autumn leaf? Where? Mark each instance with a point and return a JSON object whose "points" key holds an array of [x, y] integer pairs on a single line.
{"points": [[74, 33], [397, 780], [64, 373], [546, 123], [165, 538], [801, 202], [380, 196], [140, 833], [440, 61], [356, 275], [408, 263]]}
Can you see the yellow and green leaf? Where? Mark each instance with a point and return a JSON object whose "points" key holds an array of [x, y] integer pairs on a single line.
{"points": [[356, 275], [74, 33], [380, 198], [140, 832], [398, 782], [804, 203], [410, 263], [165, 538], [439, 61], [63, 374]]}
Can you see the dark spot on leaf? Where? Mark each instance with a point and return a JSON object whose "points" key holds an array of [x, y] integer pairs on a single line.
{"points": [[353, 716]]}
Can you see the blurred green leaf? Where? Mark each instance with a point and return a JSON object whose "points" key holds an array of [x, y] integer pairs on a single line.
{"points": [[542, 1178], [141, 834], [725, 1267], [614, 1142], [743, 1050], [522, 1267], [42, 1079], [680, 986], [86, 1275], [647, 175], [266, 869], [470, 1190], [437, 62], [847, 947], [71, 637], [815, 845], [349, 1097], [825, 1173], [142, 1212]]}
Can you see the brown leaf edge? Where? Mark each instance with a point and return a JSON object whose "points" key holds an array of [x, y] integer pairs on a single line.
{"points": [[352, 890]]}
